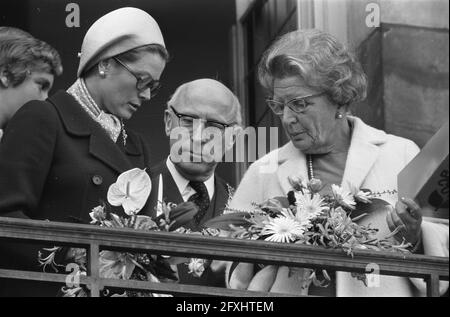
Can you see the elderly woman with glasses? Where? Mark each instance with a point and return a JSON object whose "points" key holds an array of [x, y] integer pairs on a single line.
{"points": [[312, 80], [58, 157]]}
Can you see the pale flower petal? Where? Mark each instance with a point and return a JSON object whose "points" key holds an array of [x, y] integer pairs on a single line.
{"points": [[309, 206], [97, 214], [283, 229], [196, 266], [343, 197], [363, 196], [131, 191], [115, 195], [115, 265]]}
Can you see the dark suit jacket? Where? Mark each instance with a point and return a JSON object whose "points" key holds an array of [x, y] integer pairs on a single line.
{"points": [[57, 163], [173, 195]]}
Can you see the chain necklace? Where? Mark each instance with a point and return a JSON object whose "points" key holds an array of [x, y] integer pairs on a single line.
{"points": [[124, 133]]}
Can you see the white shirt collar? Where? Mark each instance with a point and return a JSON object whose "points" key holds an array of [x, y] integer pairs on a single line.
{"points": [[182, 183]]}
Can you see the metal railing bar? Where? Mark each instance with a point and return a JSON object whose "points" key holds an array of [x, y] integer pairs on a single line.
{"points": [[224, 248], [433, 285], [93, 271], [37, 276], [182, 289], [166, 288]]}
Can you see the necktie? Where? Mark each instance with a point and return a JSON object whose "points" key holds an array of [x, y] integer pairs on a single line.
{"points": [[201, 198]]}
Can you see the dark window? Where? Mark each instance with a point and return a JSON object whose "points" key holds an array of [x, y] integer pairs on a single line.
{"points": [[265, 21]]}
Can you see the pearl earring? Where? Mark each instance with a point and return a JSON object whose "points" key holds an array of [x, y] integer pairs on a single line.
{"points": [[339, 115], [102, 73], [5, 81]]}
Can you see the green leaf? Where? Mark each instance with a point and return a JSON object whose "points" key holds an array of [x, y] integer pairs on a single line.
{"points": [[181, 214], [223, 222]]}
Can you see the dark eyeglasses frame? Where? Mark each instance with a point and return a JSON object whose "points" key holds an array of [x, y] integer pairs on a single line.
{"points": [[141, 85], [270, 102], [180, 115]]}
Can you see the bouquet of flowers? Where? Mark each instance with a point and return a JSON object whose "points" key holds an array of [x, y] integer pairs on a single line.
{"points": [[130, 191], [307, 217]]}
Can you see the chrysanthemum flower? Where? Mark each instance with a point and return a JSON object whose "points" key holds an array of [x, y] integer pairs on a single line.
{"points": [[343, 197], [196, 266], [282, 229], [363, 196], [309, 207]]}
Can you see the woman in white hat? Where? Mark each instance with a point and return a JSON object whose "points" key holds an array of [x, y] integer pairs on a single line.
{"points": [[58, 157]]}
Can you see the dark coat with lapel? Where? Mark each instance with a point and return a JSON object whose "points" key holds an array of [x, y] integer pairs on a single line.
{"points": [[172, 194], [57, 163]]}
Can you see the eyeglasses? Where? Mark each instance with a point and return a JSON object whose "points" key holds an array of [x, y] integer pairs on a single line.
{"points": [[298, 104], [142, 83], [187, 121]]}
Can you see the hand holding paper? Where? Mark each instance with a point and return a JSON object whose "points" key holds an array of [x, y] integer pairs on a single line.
{"points": [[407, 215]]}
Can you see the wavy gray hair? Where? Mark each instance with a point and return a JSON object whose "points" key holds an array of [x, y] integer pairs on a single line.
{"points": [[320, 60]]}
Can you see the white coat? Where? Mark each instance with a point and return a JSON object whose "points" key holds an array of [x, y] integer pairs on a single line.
{"points": [[373, 162]]}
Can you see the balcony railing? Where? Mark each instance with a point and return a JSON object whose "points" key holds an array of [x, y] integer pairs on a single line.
{"points": [[95, 239]]}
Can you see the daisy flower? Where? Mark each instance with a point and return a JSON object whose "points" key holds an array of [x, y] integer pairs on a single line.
{"points": [[343, 197], [309, 207], [363, 196], [283, 229]]}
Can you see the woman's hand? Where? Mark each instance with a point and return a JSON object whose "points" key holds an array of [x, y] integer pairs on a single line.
{"points": [[408, 216], [240, 276], [271, 278]]}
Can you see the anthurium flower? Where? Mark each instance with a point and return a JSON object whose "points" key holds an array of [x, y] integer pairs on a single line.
{"points": [[130, 191]]}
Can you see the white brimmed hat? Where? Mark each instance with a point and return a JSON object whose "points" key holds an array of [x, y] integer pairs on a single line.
{"points": [[117, 32]]}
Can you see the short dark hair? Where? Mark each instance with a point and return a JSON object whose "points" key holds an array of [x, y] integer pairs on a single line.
{"points": [[21, 53], [10, 31]]}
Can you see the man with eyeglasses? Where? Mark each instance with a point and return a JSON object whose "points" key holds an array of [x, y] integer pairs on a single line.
{"points": [[195, 109]]}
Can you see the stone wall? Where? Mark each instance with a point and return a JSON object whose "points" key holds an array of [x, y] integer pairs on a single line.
{"points": [[406, 60], [415, 46], [366, 42]]}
